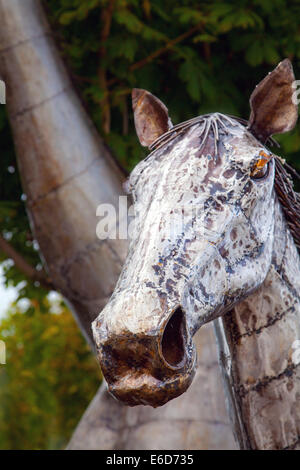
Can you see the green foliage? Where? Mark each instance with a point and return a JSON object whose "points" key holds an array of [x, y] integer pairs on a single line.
{"points": [[202, 56], [215, 68], [48, 379], [14, 224]]}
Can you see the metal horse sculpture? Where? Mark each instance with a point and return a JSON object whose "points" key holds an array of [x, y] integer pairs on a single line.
{"points": [[216, 235]]}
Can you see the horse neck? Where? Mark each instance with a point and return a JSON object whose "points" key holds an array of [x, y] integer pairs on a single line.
{"points": [[258, 341]]}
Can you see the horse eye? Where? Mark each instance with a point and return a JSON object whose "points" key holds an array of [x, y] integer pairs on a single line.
{"points": [[257, 174], [261, 167]]}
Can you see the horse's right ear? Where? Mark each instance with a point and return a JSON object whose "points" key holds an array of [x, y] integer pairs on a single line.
{"points": [[151, 116], [273, 108]]}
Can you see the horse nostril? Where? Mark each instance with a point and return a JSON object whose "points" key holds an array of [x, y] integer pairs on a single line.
{"points": [[174, 339]]}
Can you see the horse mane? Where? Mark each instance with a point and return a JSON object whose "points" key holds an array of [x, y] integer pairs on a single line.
{"points": [[288, 197], [284, 173]]}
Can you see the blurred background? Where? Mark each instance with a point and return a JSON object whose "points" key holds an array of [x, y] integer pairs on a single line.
{"points": [[197, 57]]}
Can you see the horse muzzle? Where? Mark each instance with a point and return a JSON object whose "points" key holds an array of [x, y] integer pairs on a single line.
{"points": [[145, 363]]}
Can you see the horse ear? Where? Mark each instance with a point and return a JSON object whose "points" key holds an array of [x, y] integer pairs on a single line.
{"points": [[151, 116], [273, 108]]}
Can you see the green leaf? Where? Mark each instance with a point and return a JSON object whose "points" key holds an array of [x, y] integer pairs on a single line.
{"points": [[220, 10], [270, 53], [188, 72], [160, 12], [129, 20], [204, 38], [189, 15], [254, 54], [95, 92], [68, 17], [136, 26]]}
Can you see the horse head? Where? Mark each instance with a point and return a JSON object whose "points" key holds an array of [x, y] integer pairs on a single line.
{"points": [[202, 239]]}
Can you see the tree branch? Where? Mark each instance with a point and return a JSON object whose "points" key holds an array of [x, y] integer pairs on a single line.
{"points": [[106, 17], [24, 266], [141, 63]]}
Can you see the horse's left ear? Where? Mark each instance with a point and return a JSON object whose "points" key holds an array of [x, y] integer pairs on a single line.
{"points": [[151, 116], [273, 109]]}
